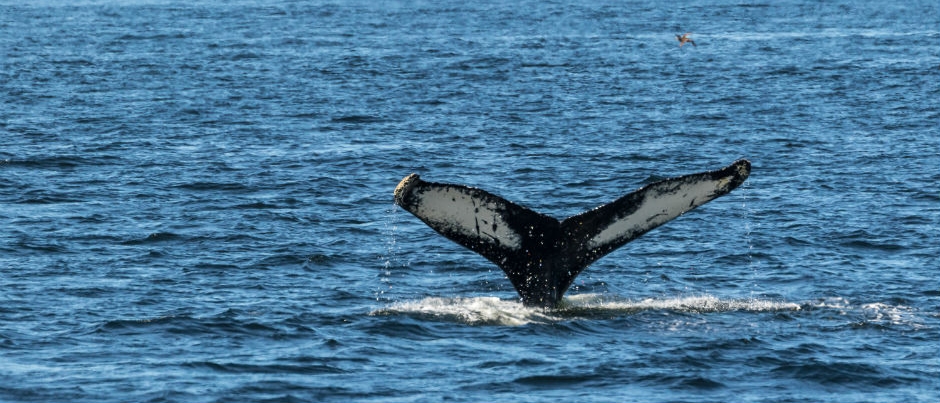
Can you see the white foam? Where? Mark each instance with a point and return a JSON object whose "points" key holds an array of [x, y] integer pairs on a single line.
{"points": [[698, 303], [474, 311], [874, 313], [495, 311]]}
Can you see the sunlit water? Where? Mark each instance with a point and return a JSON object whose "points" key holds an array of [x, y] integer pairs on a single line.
{"points": [[196, 200]]}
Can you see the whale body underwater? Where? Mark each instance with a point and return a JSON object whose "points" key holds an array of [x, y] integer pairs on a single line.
{"points": [[542, 255]]}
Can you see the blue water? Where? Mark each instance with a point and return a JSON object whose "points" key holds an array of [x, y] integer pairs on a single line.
{"points": [[196, 199]]}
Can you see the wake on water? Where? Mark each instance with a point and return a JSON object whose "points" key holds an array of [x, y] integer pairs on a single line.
{"points": [[495, 311]]}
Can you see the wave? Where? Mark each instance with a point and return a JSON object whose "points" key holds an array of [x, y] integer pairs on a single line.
{"points": [[155, 237], [495, 311]]}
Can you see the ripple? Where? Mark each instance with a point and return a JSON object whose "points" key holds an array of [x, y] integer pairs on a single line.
{"points": [[196, 200], [156, 237]]}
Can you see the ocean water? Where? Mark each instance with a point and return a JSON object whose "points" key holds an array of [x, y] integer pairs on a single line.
{"points": [[196, 199]]}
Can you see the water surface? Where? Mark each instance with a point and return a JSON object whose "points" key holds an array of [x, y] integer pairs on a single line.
{"points": [[197, 200]]}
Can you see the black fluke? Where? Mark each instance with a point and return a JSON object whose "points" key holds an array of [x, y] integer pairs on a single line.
{"points": [[541, 255]]}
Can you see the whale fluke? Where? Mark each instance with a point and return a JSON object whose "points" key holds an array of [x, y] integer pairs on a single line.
{"points": [[541, 255]]}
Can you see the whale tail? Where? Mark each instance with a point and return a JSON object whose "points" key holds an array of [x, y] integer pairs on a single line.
{"points": [[541, 255]]}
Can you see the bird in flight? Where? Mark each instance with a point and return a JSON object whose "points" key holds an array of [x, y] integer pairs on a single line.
{"points": [[684, 38]]}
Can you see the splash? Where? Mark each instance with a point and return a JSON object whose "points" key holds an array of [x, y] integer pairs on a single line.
{"points": [[472, 311], [390, 258], [495, 311], [692, 304]]}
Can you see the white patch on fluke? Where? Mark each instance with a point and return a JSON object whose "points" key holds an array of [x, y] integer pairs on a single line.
{"points": [[461, 213], [658, 207]]}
